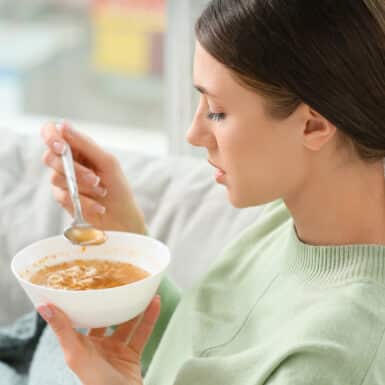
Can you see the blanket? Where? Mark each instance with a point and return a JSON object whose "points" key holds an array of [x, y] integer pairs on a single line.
{"points": [[21, 343], [17, 346]]}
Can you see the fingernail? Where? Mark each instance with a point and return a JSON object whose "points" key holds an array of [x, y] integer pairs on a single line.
{"points": [[100, 209], [45, 311], [97, 181], [101, 191], [51, 156], [67, 128], [91, 179], [59, 147], [59, 126]]}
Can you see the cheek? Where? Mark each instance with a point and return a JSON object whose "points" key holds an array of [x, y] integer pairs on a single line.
{"points": [[243, 157], [261, 168], [240, 149]]}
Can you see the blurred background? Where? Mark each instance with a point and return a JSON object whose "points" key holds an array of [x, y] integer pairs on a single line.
{"points": [[118, 68]]}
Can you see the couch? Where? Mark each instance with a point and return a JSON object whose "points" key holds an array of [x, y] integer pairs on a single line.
{"points": [[183, 207]]}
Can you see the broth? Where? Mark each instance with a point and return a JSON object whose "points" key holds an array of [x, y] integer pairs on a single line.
{"points": [[88, 275]]}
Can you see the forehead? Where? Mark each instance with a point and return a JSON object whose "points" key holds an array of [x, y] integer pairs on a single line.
{"points": [[220, 83], [209, 72]]}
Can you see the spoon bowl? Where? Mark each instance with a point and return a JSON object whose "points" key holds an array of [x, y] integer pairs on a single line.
{"points": [[84, 235]]}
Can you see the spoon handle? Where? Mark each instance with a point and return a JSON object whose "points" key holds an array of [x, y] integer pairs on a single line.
{"points": [[69, 171]]}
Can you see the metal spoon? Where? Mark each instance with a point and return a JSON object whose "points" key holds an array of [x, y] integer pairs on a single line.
{"points": [[80, 232]]}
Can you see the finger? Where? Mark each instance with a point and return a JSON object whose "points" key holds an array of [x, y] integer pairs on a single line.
{"points": [[124, 331], [62, 327], [86, 146], [84, 186], [100, 332], [53, 138], [146, 326], [91, 208], [82, 173]]}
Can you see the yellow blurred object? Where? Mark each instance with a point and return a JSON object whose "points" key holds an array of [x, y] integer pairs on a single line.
{"points": [[124, 20], [126, 53], [124, 39]]}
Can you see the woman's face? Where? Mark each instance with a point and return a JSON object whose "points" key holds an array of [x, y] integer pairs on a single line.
{"points": [[262, 158]]}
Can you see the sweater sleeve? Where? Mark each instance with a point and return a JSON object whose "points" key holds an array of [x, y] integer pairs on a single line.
{"points": [[170, 295]]}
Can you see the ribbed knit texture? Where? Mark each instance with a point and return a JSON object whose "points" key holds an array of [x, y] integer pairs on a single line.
{"points": [[275, 311], [337, 264]]}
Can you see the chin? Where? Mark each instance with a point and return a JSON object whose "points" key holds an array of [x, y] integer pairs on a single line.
{"points": [[240, 201]]}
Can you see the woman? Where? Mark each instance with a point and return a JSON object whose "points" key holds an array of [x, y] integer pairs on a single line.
{"points": [[291, 112]]}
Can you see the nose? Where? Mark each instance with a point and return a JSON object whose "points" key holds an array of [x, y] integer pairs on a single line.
{"points": [[200, 134]]}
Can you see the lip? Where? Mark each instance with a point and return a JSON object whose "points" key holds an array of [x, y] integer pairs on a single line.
{"points": [[217, 167], [220, 175]]}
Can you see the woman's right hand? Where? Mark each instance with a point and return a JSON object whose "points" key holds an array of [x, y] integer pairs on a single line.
{"points": [[106, 198]]}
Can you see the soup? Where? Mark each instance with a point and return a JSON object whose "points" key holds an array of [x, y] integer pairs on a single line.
{"points": [[88, 275]]}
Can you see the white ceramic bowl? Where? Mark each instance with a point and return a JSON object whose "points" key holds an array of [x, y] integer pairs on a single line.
{"points": [[103, 307]]}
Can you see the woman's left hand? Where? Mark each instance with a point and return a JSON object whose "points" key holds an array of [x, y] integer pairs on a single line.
{"points": [[98, 359]]}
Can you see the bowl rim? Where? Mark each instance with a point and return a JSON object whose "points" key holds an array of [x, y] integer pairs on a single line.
{"points": [[90, 291]]}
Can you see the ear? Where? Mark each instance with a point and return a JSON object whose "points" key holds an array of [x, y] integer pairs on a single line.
{"points": [[318, 131]]}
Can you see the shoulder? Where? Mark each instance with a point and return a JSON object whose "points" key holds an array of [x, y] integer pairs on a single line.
{"points": [[274, 216], [253, 239]]}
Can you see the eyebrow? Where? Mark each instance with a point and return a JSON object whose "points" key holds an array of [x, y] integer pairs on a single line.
{"points": [[203, 90]]}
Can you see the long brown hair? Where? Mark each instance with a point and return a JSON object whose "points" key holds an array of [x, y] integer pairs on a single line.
{"points": [[328, 54]]}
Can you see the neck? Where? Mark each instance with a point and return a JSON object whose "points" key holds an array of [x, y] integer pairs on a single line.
{"points": [[344, 206]]}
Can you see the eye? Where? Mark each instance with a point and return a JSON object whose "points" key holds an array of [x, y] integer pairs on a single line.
{"points": [[216, 117]]}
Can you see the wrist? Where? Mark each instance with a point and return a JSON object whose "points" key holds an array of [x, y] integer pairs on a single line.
{"points": [[133, 223]]}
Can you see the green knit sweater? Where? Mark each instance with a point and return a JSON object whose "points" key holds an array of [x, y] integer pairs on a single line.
{"points": [[273, 310]]}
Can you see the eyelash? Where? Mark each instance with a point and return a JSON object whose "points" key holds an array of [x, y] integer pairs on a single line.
{"points": [[216, 117]]}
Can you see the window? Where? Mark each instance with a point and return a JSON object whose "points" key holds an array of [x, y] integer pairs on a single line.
{"points": [[123, 64]]}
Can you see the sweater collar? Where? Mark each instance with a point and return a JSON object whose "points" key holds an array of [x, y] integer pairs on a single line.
{"points": [[336, 264]]}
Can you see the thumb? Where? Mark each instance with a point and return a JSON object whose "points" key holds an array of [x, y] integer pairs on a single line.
{"points": [[62, 327], [145, 328]]}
